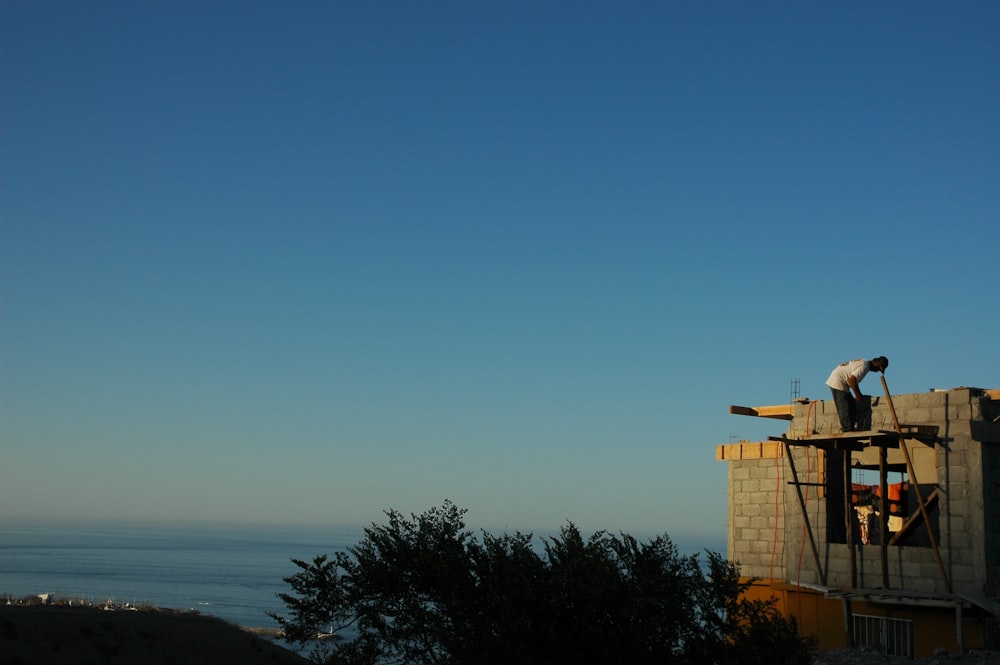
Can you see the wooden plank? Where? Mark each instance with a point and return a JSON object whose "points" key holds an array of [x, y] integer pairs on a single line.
{"points": [[914, 519], [994, 394], [742, 410], [748, 450], [915, 484], [853, 440], [780, 411]]}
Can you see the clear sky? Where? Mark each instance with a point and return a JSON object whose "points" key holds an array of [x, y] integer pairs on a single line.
{"points": [[307, 261]]}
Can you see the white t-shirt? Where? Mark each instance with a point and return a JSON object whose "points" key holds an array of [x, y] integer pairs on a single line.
{"points": [[858, 368]]}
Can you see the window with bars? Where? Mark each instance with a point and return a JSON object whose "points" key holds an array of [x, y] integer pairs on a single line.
{"points": [[892, 637]]}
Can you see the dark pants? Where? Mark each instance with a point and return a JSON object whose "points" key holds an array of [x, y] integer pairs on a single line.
{"points": [[846, 409]]}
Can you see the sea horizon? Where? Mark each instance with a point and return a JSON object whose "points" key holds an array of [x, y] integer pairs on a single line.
{"points": [[230, 570]]}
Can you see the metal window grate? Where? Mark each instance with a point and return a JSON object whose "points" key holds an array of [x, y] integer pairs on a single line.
{"points": [[893, 637]]}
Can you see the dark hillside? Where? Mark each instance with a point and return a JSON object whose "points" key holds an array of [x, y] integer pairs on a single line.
{"points": [[40, 635]]}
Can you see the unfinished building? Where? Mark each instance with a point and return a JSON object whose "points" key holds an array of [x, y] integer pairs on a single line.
{"points": [[888, 537]]}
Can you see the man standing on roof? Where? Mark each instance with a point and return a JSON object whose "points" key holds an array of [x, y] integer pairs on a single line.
{"points": [[844, 379]]}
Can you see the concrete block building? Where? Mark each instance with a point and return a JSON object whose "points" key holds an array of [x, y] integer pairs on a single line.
{"points": [[889, 536]]}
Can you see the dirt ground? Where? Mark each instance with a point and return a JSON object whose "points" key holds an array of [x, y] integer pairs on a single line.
{"points": [[864, 656], [54, 635]]}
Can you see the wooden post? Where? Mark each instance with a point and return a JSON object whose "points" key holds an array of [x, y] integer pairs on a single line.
{"points": [[960, 628], [805, 513], [849, 516], [916, 488], [883, 486], [848, 621]]}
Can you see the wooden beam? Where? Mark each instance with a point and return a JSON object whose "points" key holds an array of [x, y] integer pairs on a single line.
{"points": [[748, 450], [916, 488], [883, 508], [781, 411], [848, 621], [902, 597], [805, 515], [840, 436], [914, 518], [994, 394], [849, 517]]}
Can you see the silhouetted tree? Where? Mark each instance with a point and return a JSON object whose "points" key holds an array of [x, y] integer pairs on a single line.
{"points": [[424, 590]]}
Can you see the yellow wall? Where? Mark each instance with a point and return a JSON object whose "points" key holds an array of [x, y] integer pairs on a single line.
{"points": [[822, 617]]}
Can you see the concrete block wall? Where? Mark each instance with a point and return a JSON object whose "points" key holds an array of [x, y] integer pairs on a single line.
{"points": [[754, 521], [766, 528], [943, 408], [765, 518]]}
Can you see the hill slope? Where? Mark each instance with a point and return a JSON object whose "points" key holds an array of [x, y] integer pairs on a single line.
{"points": [[41, 635]]}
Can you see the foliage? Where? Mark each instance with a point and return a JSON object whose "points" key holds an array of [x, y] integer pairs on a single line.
{"points": [[424, 590], [739, 631]]}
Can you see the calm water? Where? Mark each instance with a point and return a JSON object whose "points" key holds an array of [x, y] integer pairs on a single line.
{"points": [[233, 573], [229, 572]]}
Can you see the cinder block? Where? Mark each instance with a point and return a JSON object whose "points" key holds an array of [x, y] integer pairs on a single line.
{"points": [[958, 508], [929, 571], [920, 585], [962, 575], [960, 412], [918, 400], [915, 416], [765, 500], [937, 414], [958, 524], [978, 405]]}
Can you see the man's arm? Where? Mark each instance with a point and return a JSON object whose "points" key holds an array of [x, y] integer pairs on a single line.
{"points": [[854, 386]]}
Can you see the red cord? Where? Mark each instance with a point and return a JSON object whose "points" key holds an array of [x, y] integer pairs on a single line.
{"points": [[777, 497]]}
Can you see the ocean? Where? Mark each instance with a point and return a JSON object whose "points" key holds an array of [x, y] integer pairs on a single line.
{"points": [[230, 572]]}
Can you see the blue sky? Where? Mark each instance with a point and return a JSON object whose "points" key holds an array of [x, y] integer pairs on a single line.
{"points": [[304, 262]]}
